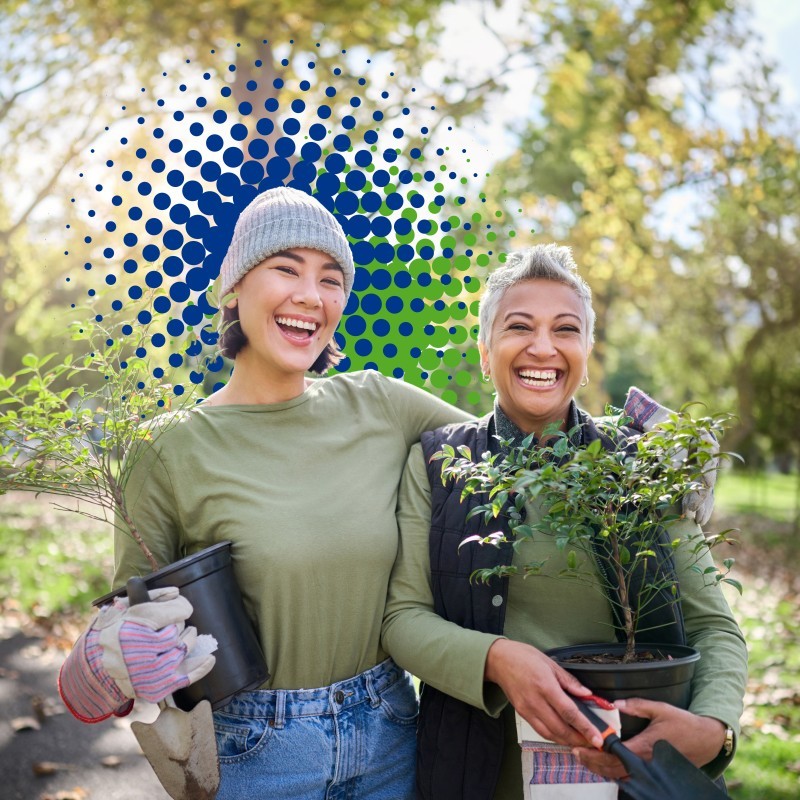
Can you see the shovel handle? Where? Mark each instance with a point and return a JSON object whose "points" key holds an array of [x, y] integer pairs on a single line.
{"points": [[137, 591], [606, 731], [611, 742]]}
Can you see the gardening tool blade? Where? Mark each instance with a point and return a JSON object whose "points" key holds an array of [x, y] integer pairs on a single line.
{"points": [[181, 749], [668, 776], [180, 745]]}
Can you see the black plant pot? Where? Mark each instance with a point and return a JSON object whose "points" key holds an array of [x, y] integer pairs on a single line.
{"points": [[668, 681], [206, 580]]}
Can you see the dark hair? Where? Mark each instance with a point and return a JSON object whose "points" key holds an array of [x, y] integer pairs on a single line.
{"points": [[232, 340]]}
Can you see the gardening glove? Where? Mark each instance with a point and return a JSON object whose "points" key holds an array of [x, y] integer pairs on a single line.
{"points": [[646, 413], [143, 652]]}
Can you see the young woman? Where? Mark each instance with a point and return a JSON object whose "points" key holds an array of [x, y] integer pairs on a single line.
{"points": [[302, 475]]}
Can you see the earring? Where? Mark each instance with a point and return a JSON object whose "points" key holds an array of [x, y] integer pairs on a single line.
{"points": [[486, 378], [585, 380]]}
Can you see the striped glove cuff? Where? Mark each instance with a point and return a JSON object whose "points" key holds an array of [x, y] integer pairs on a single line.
{"points": [[643, 410], [86, 689]]}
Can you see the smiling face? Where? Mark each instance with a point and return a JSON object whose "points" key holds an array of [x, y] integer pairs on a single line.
{"points": [[289, 306], [537, 353]]}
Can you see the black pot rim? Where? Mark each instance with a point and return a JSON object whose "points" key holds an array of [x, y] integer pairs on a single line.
{"points": [[681, 654], [164, 571]]}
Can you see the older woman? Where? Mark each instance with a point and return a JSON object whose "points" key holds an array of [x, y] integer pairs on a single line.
{"points": [[536, 333]]}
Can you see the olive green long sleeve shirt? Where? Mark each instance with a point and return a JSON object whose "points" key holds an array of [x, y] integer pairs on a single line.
{"points": [[306, 490]]}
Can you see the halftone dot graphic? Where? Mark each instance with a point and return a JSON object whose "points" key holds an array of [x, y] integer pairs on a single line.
{"points": [[418, 244]]}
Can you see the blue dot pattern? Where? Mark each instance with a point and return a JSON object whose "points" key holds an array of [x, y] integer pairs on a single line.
{"points": [[170, 220]]}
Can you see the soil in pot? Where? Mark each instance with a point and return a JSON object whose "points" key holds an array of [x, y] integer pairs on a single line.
{"points": [[665, 675], [606, 657], [206, 580]]}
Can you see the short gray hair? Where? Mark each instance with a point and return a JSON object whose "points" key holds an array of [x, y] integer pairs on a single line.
{"points": [[550, 262]]}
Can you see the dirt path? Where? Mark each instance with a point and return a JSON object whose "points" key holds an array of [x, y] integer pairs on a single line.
{"points": [[37, 735]]}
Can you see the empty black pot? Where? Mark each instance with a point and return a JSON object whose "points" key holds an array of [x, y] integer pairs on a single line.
{"points": [[668, 680], [206, 580]]}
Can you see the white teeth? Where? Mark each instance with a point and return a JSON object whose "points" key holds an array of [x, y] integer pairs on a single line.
{"points": [[297, 323], [542, 375], [535, 377]]}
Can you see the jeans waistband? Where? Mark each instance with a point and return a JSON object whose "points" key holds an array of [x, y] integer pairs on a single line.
{"points": [[280, 704]]}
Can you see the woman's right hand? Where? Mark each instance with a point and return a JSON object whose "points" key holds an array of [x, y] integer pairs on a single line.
{"points": [[143, 651], [539, 689]]}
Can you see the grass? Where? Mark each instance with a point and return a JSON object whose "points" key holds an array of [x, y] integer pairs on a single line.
{"points": [[766, 769], [767, 763], [51, 561], [771, 495], [763, 507]]}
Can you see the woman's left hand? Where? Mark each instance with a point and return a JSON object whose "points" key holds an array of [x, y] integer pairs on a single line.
{"points": [[700, 739]]}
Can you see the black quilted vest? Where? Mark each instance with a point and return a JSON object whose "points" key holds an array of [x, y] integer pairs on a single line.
{"points": [[459, 747]]}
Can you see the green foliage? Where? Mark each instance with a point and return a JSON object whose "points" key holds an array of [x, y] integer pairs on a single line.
{"points": [[72, 70], [623, 126], [770, 495], [51, 562], [683, 219], [54, 102], [768, 756], [611, 504], [75, 428]]}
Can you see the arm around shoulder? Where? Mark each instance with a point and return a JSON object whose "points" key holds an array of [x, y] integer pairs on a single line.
{"points": [[418, 411], [439, 652]]}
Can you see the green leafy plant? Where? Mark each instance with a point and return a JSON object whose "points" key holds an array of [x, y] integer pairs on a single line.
{"points": [[613, 504], [75, 428]]}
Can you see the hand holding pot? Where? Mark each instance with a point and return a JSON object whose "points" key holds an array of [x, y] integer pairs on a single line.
{"points": [[145, 651], [698, 738], [539, 689], [646, 414]]}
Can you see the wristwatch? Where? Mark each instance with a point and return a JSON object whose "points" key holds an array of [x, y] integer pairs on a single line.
{"points": [[727, 746]]}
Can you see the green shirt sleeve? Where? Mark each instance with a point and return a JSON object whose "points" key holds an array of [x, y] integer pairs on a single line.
{"points": [[417, 411], [441, 653], [720, 677], [151, 505]]}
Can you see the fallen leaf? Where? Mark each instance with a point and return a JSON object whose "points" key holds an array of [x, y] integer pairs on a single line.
{"points": [[775, 730], [38, 706], [10, 674], [111, 761], [25, 724], [44, 768], [45, 707], [73, 794]]}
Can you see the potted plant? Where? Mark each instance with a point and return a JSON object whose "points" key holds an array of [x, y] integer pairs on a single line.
{"points": [[75, 429], [609, 507]]}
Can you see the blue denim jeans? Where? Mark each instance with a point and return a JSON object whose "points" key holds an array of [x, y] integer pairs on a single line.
{"points": [[353, 740]]}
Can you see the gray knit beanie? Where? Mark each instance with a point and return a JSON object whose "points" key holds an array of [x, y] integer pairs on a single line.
{"points": [[280, 219]]}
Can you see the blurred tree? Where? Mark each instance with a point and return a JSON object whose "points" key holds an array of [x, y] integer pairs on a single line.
{"points": [[746, 269], [71, 68], [154, 35], [611, 138], [683, 216], [50, 93], [623, 142]]}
